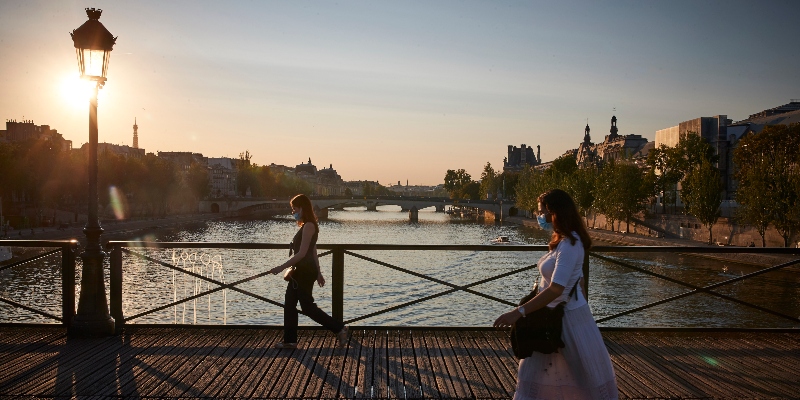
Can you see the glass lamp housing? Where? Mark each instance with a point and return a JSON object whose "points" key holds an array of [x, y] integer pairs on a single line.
{"points": [[93, 45]]}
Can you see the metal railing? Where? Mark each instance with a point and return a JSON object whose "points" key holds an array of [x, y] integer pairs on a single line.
{"points": [[66, 248], [337, 253]]}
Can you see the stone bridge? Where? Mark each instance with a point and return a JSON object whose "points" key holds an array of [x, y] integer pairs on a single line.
{"points": [[247, 205]]}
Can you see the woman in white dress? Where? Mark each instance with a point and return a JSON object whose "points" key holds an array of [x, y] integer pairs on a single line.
{"points": [[582, 369]]}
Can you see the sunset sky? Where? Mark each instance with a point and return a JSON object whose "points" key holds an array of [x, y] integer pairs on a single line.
{"points": [[397, 90]]}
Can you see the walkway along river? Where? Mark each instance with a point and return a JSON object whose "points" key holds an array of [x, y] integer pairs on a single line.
{"points": [[369, 287]]}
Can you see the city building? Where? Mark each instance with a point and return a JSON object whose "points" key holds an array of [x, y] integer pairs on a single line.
{"points": [[120, 150], [183, 160], [520, 157], [223, 176], [324, 182], [27, 130]]}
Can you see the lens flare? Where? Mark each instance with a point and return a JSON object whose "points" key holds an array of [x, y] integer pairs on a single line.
{"points": [[118, 204]]}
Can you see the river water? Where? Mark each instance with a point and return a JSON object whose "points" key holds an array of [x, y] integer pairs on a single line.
{"points": [[370, 287]]}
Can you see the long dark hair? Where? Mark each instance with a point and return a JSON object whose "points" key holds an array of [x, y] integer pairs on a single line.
{"points": [[302, 202], [566, 218]]}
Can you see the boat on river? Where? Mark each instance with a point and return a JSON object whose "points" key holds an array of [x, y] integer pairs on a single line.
{"points": [[500, 240]]}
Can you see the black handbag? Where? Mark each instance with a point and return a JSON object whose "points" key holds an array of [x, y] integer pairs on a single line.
{"points": [[539, 331]]}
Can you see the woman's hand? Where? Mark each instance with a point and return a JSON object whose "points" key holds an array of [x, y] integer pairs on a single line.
{"points": [[507, 319], [320, 279]]}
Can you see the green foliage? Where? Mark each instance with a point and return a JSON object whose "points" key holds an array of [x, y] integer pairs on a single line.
{"points": [[621, 191], [768, 169], [702, 194], [666, 167], [455, 182], [489, 182]]}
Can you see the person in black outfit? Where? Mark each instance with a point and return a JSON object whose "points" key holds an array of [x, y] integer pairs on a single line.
{"points": [[305, 270]]}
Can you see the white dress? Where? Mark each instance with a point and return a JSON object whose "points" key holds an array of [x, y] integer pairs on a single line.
{"points": [[582, 369]]}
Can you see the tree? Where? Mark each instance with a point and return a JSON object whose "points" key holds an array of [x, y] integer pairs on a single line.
{"points": [[621, 191], [455, 181], [582, 188], [768, 165], [666, 163], [198, 180], [702, 194], [488, 185]]}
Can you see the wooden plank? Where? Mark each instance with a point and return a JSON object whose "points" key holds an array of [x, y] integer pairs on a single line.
{"points": [[649, 372], [285, 381], [341, 359], [629, 372], [22, 354], [503, 350], [318, 368], [452, 369], [692, 368], [426, 373], [490, 364], [56, 368], [380, 374], [477, 385], [264, 366], [157, 366], [241, 365], [395, 386], [207, 370], [726, 365], [364, 373], [183, 365], [121, 368], [411, 378], [439, 367], [104, 370], [321, 367], [16, 342]]}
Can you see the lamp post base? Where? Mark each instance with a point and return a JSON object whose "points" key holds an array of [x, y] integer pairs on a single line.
{"points": [[92, 325]]}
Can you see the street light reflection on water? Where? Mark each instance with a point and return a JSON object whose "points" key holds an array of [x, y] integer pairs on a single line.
{"points": [[369, 287]]}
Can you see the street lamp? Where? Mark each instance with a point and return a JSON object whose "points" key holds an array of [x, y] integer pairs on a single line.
{"points": [[93, 45]]}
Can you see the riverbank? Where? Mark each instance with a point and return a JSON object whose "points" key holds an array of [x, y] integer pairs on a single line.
{"points": [[113, 230], [609, 238]]}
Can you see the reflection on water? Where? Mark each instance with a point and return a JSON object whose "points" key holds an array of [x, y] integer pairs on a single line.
{"points": [[370, 287]]}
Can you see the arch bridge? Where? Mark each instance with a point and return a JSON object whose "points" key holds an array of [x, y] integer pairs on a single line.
{"points": [[248, 205]]}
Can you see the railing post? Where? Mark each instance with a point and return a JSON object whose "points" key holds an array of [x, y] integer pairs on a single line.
{"points": [[586, 274], [337, 284], [67, 284], [115, 288]]}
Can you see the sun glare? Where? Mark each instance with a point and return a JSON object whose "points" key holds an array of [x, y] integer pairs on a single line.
{"points": [[76, 91]]}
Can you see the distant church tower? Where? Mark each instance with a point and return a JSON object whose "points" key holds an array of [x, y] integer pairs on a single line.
{"points": [[613, 130], [587, 138], [135, 134]]}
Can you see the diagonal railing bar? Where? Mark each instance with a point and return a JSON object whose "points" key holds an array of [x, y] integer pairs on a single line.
{"points": [[439, 281], [324, 253], [33, 310], [34, 258], [697, 289], [446, 292], [220, 286]]}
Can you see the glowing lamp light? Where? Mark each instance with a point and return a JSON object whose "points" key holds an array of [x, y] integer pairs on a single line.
{"points": [[93, 45]]}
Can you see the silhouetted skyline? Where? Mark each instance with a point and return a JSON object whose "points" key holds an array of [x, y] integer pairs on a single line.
{"points": [[394, 91]]}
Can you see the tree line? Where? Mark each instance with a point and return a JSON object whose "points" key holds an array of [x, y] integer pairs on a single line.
{"points": [[766, 171], [38, 174]]}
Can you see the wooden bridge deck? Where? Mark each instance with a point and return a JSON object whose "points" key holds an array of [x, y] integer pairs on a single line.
{"points": [[170, 362]]}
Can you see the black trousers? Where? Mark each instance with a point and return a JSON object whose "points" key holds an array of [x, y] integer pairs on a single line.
{"points": [[301, 291]]}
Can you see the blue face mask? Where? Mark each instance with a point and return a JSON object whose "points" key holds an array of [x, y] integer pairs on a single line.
{"points": [[298, 215], [542, 220]]}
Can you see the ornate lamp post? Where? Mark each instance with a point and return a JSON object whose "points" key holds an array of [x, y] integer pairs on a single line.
{"points": [[93, 44]]}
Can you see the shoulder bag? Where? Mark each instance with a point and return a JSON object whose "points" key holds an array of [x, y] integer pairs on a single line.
{"points": [[539, 331]]}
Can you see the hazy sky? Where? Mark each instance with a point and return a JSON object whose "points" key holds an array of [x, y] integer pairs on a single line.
{"points": [[397, 90]]}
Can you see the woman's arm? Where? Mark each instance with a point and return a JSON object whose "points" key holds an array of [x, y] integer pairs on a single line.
{"points": [[320, 278], [305, 243], [541, 300]]}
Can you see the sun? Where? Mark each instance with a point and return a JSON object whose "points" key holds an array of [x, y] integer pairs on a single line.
{"points": [[76, 91]]}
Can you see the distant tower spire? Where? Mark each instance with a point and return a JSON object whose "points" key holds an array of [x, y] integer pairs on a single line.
{"points": [[135, 134], [586, 138]]}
